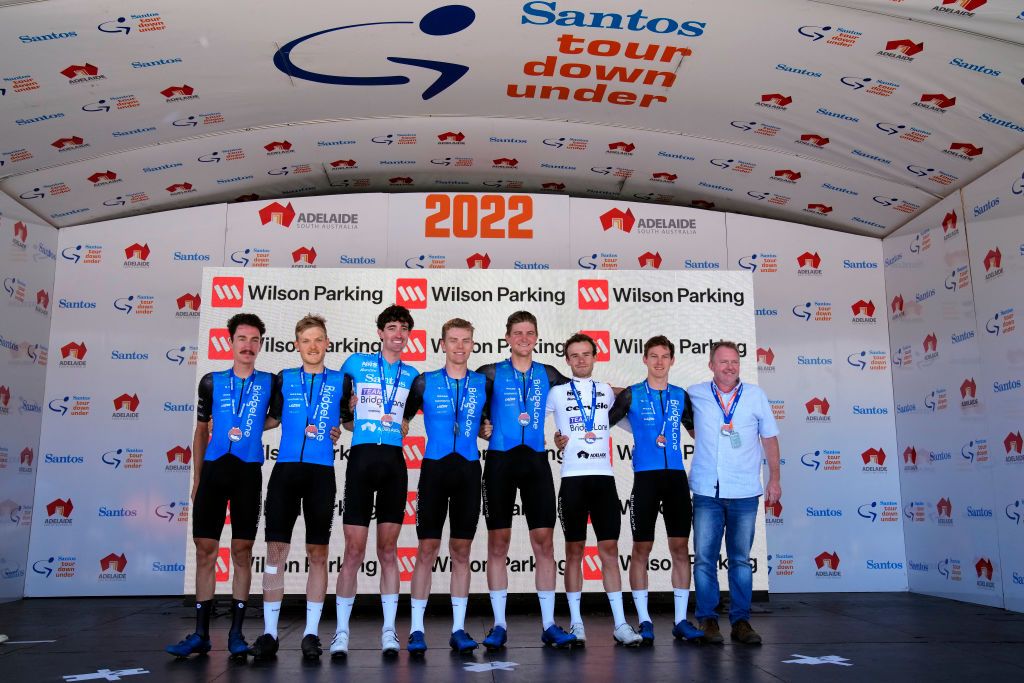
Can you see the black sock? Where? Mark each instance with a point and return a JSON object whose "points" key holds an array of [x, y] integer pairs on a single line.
{"points": [[203, 610], [237, 615]]}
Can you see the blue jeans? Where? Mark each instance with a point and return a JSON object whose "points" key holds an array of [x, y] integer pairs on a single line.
{"points": [[736, 517]]}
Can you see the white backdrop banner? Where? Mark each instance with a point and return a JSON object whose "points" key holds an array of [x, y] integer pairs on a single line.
{"points": [[27, 265], [113, 496], [686, 312], [995, 209], [822, 359]]}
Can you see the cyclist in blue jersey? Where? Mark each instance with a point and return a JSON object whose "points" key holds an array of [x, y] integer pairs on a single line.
{"points": [[379, 384], [227, 463], [657, 412], [454, 401], [303, 478], [517, 460], [580, 411]]}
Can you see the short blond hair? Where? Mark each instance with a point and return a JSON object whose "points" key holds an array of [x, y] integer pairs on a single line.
{"points": [[308, 321], [458, 324]]}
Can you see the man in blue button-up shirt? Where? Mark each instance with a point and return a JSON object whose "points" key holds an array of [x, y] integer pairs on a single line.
{"points": [[734, 430]]}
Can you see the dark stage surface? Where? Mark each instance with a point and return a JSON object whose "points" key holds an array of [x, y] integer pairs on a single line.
{"points": [[880, 637]]}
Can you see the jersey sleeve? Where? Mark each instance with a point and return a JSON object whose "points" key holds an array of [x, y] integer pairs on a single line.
{"points": [[620, 408], [488, 371], [276, 397], [555, 378], [415, 400], [204, 402], [347, 387], [551, 405], [687, 417]]}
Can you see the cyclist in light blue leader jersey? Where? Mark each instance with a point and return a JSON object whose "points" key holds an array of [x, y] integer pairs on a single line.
{"points": [[454, 401], [517, 460], [227, 462], [657, 412], [379, 384], [302, 478]]}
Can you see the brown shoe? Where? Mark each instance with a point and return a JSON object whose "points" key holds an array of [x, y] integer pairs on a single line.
{"points": [[744, 633], [711, 632]]}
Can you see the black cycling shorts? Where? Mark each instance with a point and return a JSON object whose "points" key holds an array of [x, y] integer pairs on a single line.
{"points": [[375, 469], [228, 479], [593, 496], [664, 490], [450, 485], [304, 486], [527, 471]]}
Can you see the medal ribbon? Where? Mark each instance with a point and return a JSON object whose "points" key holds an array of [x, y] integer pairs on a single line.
{"points": [[243, 394], [457, 405], [388, 402], [588, 422], [660, 404], [306, 397], [727, 410], [520, 381]]}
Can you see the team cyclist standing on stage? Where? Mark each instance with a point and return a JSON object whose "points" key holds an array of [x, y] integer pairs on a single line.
{"points": [[376, 396]]}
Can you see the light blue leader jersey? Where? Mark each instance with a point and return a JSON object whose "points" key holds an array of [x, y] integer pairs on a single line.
{"points": [[309, 400], [647, 412], [452, 411], [245, 407], [362, 378], [508, 391]]}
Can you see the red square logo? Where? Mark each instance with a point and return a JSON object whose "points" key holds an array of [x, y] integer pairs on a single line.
{"points": [[410, 508], [413, 447], [406, 563], [224, 565], [416, 347], [604, 344], [228, 292], [220, 344], [592, 295], [592, 564], [411, 292]]}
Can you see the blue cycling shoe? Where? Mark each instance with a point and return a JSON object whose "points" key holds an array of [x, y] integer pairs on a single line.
{"points": [[496, 638], [461, 642], [193, 644], [556, 637], [647, 633], [684, 630], [417, 643]]}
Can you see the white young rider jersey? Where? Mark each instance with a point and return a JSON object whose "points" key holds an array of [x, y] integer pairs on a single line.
{"points": [[575, 419]]}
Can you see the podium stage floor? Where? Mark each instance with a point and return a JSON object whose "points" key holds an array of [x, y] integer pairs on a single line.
{"points": [[838, 637]]}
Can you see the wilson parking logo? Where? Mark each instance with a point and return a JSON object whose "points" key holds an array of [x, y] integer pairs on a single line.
{"points": [[413, 448], [228, 292], [416, 348], [592, 295], [219, 347], [412, 292]]}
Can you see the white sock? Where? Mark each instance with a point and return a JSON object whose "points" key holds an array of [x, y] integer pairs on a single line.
{"points": [[418, 608], [390, 605], [313, 612], [618, 615], [459, 613], [344, 612], [271, 611], [681, 597], [498, 599], [547, 608], [640, 600], [574, 607]]}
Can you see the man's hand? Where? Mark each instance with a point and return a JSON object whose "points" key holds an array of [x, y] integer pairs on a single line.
{"points": [[486, 429], [353, 401], [335, 434], [772, 492], [405, 428], [561, 441]]}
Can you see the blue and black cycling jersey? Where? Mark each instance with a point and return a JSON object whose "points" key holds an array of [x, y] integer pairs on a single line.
{"points": [[654, 412], [362, 372], [308, 400], [512, 394], [452, 411], [238, 406]]}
